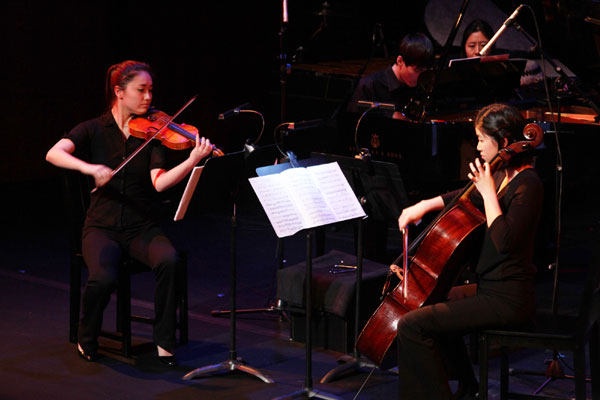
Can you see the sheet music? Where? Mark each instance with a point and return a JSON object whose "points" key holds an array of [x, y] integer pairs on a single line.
{"points": [[336, 190], [302, 198], [307, 197], [278, 204], [188, 192]]}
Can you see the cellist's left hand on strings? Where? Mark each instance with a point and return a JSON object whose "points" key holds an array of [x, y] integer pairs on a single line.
{"points": [[202, 149], [481, 176]]}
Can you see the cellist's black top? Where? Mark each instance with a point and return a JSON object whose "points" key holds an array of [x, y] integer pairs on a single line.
{"points": [[508, 244]]}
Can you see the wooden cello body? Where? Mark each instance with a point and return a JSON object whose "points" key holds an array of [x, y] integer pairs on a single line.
{"points": [[436, 259], [433, 270]]}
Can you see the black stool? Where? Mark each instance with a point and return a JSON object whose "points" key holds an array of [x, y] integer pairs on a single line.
{"points": [[554, 332]]}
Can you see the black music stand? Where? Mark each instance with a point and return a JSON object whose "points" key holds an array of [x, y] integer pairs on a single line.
{"points": [[380, 190], [308, 391], [473, 81], [223, 176]]}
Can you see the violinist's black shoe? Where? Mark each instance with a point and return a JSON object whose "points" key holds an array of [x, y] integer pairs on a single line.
{"points": [[169, 361], [91, 357]]}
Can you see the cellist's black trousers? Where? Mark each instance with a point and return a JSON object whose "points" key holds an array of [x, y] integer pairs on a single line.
{"points": [[102, 251], [430, 339]]}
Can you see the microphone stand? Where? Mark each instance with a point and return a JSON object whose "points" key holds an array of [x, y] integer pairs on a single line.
{"points": [[355, 362], [284, 67], [249, 147], [554, 369]]}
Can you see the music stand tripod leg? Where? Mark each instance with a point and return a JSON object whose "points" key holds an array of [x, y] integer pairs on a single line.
{"points": [[227, 366]]}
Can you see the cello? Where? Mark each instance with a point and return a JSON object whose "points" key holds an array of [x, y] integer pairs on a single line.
{"points": [[435, 259]]}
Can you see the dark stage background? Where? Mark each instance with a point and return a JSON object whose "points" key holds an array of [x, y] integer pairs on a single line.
{"points": [[55, 57]]}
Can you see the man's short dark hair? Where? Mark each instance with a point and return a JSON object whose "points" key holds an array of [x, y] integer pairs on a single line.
{"points": [[416, 49]]}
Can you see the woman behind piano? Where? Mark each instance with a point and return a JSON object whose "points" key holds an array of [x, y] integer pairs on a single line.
{"points": [[477, 34]]}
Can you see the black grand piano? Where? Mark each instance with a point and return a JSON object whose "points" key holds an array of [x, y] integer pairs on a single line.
{"points": [[433, 145]]}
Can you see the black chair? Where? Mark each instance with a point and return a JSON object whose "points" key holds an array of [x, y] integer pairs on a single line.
{"points": [[76, 189], [552, 331]]}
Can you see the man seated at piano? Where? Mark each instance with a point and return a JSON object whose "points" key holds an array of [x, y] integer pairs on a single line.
{"points": [[396, 84]]}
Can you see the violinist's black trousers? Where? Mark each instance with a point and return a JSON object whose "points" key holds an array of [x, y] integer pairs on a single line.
{"points": [[431, 349], [102, 250]]}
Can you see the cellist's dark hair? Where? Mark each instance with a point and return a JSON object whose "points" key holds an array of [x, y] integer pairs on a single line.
{"points": [[501, 121], [120, 75]]}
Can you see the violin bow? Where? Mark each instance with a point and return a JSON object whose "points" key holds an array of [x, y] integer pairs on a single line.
{"points": [[405, 261], [135, 153]]}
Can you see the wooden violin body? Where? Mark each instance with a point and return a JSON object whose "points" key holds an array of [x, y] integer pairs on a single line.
{"points": [[174, 136], [436, 259]]}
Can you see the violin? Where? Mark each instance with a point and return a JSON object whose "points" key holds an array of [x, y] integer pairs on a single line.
{"points": [[158, 125], [433, 262], [174, 136]]}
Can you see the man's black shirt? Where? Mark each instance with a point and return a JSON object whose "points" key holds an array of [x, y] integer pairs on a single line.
{"points": [[383, 87]]}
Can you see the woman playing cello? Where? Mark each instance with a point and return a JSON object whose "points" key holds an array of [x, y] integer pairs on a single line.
{"points": [[118, 218], [430, 345]]}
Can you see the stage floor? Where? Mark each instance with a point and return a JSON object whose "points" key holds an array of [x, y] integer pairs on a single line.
{"points": [[37, 360]]}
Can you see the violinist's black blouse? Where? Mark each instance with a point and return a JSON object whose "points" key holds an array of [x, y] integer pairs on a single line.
{"points": [[124, 202]]}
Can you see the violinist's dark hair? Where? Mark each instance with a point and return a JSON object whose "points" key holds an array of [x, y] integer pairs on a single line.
{"points": [[416, 49], [477, 25], [501, 121], [120, 75]]}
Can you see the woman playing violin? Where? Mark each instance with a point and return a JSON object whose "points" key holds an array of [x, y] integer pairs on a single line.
{"points": [[119, 218], [430, 345]]}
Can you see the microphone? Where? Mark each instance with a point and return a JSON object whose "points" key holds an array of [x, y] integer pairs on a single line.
{"points": [[505, 25], [311, 123], [374, 104], [234, 111]]}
